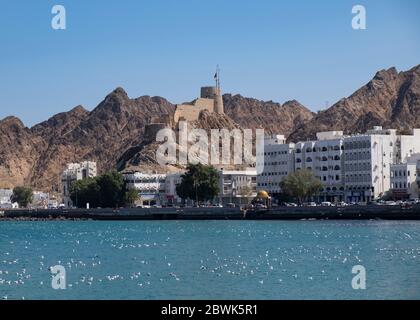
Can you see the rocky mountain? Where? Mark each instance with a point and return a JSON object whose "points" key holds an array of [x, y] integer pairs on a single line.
{"points": [[143, 156], [390, 99], [251, 113], [19, 152], [113, 134], [36, 156]]}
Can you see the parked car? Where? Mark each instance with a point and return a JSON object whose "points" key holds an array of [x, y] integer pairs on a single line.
{"points": [[291, 204], [327, 204], [231, 205], [310, 204], [414, 201], [391, 203], [342, 204]]}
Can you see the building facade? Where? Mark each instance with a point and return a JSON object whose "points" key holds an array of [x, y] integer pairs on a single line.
{"points": [[276, 162], [404, 181], [324, 157], [151, 187], [352, 168], [75, 172], [237, 187]]}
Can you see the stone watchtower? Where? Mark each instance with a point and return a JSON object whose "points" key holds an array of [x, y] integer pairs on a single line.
{"points": [[215, 94]]}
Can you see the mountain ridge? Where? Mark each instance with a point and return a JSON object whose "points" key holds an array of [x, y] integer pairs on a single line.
{"points": [[35, 156]]}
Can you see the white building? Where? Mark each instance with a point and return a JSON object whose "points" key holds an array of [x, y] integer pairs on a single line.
{"points": [[405, 180], [5, 198], [275, 164], [74, 172], [367, 161], [324, 157], [151, 187], [351, 168], [238, 187]]}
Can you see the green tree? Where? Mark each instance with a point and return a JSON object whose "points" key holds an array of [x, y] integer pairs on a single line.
{"points": [[85, 191], [200, 183], [111, 186], [301, 185], [130, 197], [22, 195]]}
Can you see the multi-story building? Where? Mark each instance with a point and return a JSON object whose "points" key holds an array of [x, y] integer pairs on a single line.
{"points": [[276, 162], [238, 187], [324, 157], [75, 172], [151, 187], [368, 158], [354, 168], [404, 181]]}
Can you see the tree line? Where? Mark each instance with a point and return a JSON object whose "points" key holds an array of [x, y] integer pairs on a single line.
{"points": [[200, 183], [106, 191]]}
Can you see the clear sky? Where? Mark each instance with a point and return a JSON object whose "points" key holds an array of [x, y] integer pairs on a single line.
{"points": [[267, 49]]}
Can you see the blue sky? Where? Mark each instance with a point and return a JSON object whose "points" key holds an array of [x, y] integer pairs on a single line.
{"points": [[267, 49]]}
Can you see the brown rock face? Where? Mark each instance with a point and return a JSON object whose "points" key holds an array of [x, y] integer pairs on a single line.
{"points": [[36, 156], [113, 134], [273, 117], [390, 99], [18, 153], [143, 156]]}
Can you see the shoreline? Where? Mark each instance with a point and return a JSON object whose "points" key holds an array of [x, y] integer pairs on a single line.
{"points": [[369, 212]]}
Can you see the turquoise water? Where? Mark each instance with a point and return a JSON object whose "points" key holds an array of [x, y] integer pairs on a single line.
{"points": [[210, 259]]}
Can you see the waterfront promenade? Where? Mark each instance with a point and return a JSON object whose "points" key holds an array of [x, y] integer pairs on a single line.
{"points": [[367, 212]]}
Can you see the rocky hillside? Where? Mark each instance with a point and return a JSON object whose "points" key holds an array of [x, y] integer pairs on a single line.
{"points": [[250, 113], [113, 134], [36, 156], [390, 99]]}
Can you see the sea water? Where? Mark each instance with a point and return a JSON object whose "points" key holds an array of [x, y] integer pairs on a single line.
{"points": [[210, 259]]}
